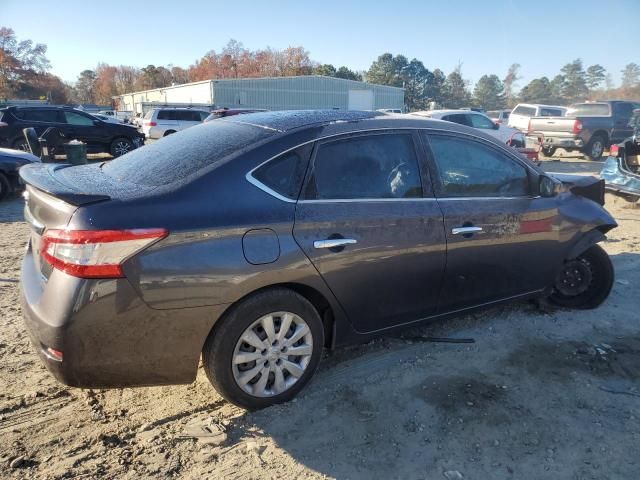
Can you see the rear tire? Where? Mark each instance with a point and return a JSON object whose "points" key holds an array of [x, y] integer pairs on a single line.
{"points": [[549, 151], [595, 148], [120, 146], [584, 282], [5, 186], [225, 346]]}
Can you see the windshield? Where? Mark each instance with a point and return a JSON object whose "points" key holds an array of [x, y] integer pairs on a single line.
{"points": [[183, 154], [589, 110]]}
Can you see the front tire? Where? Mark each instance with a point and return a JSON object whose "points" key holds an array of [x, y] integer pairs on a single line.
{"points": [[584, 282], [595, 148], [120, 146], [265, 349]]}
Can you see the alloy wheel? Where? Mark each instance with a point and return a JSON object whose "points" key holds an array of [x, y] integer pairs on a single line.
{"points": [[122, 147], [272, 354], [597, 149]]}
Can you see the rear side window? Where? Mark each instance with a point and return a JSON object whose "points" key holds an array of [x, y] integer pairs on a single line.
{"points": [[167, 115], [589, 110], [550, 112], [283, 175], [34, 115], [376, 166], [525, 111], [470, 169], [177, 157]]}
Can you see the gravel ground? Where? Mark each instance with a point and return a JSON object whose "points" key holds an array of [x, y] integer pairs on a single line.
{"points": [[540, 394]]}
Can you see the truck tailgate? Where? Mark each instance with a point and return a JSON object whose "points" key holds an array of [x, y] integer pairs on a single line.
{"points": [[552, 124]]}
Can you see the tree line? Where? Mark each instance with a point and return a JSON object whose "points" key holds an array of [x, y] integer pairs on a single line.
{"points": [[24, 74]]}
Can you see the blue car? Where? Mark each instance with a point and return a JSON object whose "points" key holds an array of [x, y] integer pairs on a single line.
{"points": [[621, 171]]}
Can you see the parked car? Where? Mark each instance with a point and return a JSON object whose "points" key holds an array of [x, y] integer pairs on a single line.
{"points": [[229, 112], [10, 163], [100, 136], [259, 239], [477, 120], [160, 122], [621, 170], [523, 112], [587, 127], [499, 116], [123, 115]]}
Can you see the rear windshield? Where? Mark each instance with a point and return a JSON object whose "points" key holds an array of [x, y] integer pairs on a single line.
{"points": [[589, 110], [526, 111], [183, 154], [550, 112]]}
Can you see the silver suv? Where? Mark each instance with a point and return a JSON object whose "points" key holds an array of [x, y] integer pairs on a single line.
{"points": [[161, 122]]}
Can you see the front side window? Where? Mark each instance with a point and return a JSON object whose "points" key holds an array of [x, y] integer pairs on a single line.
{"points": [[460, 118], [73, 118], [372, 167], [480, 121], [466, 168]]}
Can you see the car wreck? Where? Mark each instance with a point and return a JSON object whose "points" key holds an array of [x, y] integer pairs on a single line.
{"points": [[621, 171]]}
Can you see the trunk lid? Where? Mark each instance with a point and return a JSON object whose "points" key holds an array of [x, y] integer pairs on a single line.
{"points": [[552, 124], [54, 192]]}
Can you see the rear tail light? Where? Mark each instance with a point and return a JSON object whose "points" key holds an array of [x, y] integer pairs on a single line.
{"points": [[151, 124], [577, 126], [2, 124], [96, 253], [529, 129], [614, 150]]}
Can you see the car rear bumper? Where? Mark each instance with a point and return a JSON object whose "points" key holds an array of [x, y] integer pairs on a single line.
{"points": [[108, 336], [562, 142]]}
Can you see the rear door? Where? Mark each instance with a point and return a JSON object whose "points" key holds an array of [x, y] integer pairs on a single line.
{"points": [[368, 222], [501, 241]]}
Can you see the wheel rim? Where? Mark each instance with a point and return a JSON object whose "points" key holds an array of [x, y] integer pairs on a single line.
{"points": [[596, 149], [272, 354], [122, 147], [575, 278]]}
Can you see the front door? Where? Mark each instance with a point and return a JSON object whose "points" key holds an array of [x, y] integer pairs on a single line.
{"points": [[367, 222], [83, 127], [501, 241]]}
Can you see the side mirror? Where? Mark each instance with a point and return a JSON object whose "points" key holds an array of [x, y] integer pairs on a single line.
{"points": [[496, 125], [97, 122], [549, 187]]}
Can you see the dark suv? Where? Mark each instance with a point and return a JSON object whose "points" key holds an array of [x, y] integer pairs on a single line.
{"points": [[74, 124]]}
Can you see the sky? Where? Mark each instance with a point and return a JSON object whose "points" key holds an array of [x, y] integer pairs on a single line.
{"points": [[484, 36]]}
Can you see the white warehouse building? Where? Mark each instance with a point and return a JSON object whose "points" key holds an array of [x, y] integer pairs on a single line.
{"points": [[272, 93]]}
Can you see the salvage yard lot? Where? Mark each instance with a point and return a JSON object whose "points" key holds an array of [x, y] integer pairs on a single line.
{"points": [[540, 394]]}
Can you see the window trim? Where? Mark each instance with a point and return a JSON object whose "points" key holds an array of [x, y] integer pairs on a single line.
{"points": [[425, 161], [425, 180], [433, 167]]}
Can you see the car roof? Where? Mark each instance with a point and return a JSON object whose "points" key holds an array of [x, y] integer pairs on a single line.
{"points": [[428, 113], [536, 105], [286, 120]]}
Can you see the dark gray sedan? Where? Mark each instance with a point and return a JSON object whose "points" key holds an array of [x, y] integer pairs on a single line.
{"points": [[258, 240]]}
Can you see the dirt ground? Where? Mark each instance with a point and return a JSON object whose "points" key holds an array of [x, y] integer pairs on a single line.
{"points": [[539, 395]]}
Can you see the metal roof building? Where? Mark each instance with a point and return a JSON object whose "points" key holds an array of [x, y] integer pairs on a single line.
{"points": [[271, 93]]}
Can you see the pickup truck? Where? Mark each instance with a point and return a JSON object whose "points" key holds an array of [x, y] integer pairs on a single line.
{"points": [[589, 127]]}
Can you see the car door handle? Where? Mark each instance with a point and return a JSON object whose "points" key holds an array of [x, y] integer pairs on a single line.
{"points": [[465, 230], [334, 242]]}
